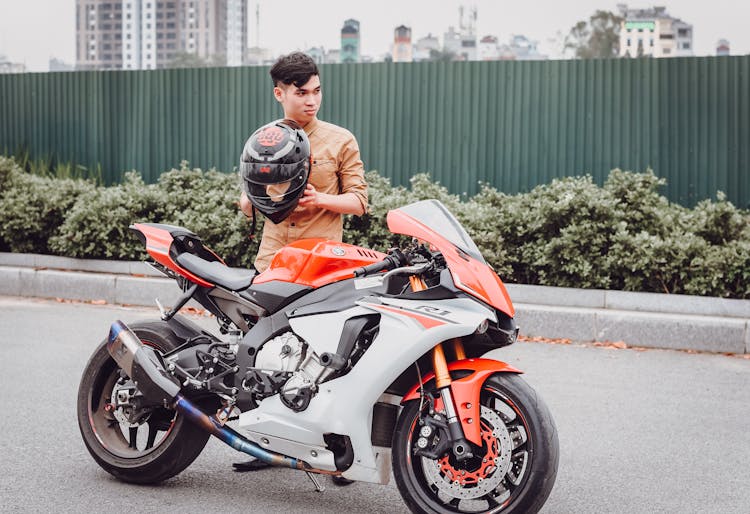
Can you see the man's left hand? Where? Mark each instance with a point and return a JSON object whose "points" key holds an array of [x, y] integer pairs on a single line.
{"points": [[310, 197]]}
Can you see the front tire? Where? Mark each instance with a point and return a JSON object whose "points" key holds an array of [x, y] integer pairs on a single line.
{"points": [[146, 446], [519, 437]]}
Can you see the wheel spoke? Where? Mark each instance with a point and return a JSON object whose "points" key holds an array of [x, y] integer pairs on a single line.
{"points": [[152, 431], [491, 501], [505, 411], [519, 437], [133, 438]]}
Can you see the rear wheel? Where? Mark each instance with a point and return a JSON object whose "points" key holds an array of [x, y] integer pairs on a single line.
{"points": [[513, 472], [135, 443]]}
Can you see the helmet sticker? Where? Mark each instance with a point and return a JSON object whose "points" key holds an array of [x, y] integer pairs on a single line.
{"points": [[270, 136]]}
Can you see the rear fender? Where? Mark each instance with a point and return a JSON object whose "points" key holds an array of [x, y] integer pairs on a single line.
{"points": [[158, 241], [466, 391]]}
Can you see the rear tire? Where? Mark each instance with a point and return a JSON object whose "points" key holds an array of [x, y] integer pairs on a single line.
{"points": [[519, 435], [159, 445]]}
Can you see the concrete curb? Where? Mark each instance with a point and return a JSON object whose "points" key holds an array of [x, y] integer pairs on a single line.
{"points": [[35, 260], [638, 319]]}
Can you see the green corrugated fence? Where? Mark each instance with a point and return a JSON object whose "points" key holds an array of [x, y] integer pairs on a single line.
{"points": [[511, 124]]}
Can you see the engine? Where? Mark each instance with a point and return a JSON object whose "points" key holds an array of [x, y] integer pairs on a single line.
{"points": [[287, 366]]}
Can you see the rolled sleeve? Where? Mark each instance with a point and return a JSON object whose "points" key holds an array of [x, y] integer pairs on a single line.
{"points": [[352, 173]]}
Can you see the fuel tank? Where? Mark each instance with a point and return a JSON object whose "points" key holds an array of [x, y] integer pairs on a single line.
{"points": [[317, 262]]}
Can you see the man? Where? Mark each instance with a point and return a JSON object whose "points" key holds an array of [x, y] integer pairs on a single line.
{"points": [[336, 185]]}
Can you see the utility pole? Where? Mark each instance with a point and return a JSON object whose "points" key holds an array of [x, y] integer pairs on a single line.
{"points": [[257, 24]]}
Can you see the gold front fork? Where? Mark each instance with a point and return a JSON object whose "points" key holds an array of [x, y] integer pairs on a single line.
{"points": [[439, 362], [440, 365], [460, 446]]}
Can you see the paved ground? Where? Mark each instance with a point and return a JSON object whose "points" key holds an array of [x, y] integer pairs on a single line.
{"points": [[651, 431]]}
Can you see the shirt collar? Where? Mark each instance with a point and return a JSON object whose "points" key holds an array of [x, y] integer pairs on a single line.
{"points": [[311, 126]]}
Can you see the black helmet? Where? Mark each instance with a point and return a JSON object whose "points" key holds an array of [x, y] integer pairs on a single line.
{"points": [[275, 166]]}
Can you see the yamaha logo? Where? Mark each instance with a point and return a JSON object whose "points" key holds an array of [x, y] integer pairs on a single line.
{"points": [[338, 251]]}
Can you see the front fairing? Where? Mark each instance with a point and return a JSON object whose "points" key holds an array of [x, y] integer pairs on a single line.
{"points": [[430, 221]]}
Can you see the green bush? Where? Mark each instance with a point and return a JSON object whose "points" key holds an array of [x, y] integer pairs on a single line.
{"points": [[371, 230], [557, 234], [204, 202], [570, 232], [97, 225], [33, 207], [208, 204]]}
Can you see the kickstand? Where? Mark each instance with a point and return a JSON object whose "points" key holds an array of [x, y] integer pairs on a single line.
{"points": [[318, 486]]}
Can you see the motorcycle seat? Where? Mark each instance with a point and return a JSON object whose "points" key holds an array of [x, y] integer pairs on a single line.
{"points": [[234, 279]]}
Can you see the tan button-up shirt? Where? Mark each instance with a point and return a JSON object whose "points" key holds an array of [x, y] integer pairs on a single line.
{"points": [[337, 169]]}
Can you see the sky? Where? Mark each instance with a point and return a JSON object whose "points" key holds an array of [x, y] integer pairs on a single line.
{"points": [[32, 31]]}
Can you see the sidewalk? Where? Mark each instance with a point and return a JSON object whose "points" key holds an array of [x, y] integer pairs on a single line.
{"points": [[637, 319]]}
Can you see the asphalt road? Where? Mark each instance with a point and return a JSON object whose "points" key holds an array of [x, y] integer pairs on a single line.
{"points": [[649, 431]]}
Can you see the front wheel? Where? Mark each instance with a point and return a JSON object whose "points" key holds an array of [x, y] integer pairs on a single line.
{"points": [[513, 472], [140, 444]]}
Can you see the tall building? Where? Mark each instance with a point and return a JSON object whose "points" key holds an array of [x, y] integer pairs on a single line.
{"points": [[722, 47], [256, 56], [425, 47], [524, 49], [402, 51], [99, 35], [653, 33], [56, 64], [317, 54], [452, 42], [463, 43], [333, 56], [350, 42], [489, 49], [468, 24], [148, 34], [6, 66]]}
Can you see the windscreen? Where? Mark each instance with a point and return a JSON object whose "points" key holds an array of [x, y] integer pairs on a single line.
{"points": [[433, 214]]}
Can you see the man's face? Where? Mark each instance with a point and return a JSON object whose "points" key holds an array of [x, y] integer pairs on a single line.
{"points": [[300, 104]]}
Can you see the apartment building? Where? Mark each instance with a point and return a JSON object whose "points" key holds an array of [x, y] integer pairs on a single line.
{"points": [[350, 38], [148, 34], [653, 32], [98, 35], [402, 49]]}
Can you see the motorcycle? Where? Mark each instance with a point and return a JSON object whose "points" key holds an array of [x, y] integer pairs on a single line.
{"points": [[337, 360]]}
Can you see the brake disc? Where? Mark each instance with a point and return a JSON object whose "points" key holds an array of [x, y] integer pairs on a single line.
{"points": [[470, 484]]}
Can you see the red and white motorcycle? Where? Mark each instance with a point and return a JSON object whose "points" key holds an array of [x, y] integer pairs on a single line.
{"points": [[337, 360]]}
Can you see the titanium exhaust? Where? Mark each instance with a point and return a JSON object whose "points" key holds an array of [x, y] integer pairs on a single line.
{"points": [[146, 368], [142, 364]]}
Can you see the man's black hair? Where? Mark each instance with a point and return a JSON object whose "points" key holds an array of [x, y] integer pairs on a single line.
{"points": [[295, 68]]}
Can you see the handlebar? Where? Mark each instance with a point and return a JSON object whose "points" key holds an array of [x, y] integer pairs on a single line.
{"points": [[393, 261], [386, 263]]}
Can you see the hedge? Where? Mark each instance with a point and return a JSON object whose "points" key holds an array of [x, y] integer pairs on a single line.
{"points": [[571, 232]]}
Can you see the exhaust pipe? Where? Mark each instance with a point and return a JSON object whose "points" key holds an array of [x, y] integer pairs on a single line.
{"points": [[145, 367], [234, 439], [142, 364]]}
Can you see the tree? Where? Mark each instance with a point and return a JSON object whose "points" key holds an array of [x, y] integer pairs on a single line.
{"points": [[599, 37], [441, 55]]}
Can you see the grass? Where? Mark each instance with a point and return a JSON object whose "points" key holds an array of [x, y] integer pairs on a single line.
{"points": [[50, 166]]}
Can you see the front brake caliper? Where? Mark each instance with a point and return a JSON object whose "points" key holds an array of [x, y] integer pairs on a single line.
{"points": [[433, 438]]}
